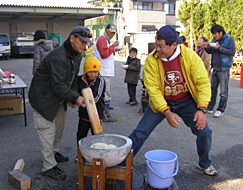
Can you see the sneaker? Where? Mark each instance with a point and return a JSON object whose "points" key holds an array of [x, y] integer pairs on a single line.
{"points": [[76, 159], [55, 173], [128, 102], [209, 111], [143, 92], [211, 171], [133, 103], [218, 114], [60, 158]]}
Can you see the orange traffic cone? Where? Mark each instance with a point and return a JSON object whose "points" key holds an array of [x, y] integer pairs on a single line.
{"points": [[241, 76]]}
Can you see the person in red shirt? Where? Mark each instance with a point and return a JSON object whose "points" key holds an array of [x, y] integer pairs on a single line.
{"points": [[104, 51]]}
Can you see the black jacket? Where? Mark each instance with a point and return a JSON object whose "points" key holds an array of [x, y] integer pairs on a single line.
{"points": [[55, 81], [133, 70], [98, 89]]}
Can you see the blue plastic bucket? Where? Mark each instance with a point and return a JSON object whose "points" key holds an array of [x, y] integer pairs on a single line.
{"points": [[161, 167]]}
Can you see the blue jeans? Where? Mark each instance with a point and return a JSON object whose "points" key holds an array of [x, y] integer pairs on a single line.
{"points": [[222, 78], [186, 111]]}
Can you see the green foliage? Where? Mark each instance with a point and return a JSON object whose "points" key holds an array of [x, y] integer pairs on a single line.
{"points": [[105, 3], [184, 13], [198, 18]]}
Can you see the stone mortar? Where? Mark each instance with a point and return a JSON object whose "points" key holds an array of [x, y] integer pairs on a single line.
{"points": [[112, 157]]}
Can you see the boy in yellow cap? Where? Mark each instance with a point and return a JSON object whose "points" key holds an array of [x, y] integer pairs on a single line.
{"points": [[91, 78]]}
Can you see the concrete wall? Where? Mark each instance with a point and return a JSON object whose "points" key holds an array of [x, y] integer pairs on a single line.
{"points": [[144, 17], [171, 20], [64, 29], [147, 16], [30, 26], [140, 41], [4, 28]]}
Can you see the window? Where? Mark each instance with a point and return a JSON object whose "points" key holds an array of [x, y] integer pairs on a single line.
{"points": [[146, 28], [166, 8], [4, 40], [172, 9], [147, 6], [142, 5], [135, 6], [169, 8]]}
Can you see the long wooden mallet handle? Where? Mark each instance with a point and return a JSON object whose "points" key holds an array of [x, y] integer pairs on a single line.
{"points": [[92, 111]]}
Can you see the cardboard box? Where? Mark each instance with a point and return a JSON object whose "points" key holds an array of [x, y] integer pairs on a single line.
{"points": [[10, 105]]}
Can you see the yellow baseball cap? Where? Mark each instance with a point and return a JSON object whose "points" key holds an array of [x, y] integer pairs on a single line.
{"points": [[92, 64]]}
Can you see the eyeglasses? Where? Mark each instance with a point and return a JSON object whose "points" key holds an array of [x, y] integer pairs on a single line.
{"points": [[86, 34]]}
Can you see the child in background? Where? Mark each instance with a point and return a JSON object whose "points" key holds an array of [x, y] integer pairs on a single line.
{"points": [[91, 78], [132, 68]]}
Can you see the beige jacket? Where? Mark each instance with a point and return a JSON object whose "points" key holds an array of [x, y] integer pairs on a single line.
{"points": [[206, 58]]}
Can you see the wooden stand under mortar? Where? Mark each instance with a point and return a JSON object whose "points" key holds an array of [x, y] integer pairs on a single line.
{"points": [[101, 175]]}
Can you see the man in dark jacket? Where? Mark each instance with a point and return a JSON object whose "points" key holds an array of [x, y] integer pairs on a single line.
{"points": [[222, 49], [53, 86]]}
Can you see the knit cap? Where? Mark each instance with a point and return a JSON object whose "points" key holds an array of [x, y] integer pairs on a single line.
{"points": [[92, 64]]}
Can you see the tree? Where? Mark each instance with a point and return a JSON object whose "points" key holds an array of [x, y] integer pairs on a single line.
{"points": [[198, 19], [106, 3], [208, 22], [232, 21], [184, 17]]}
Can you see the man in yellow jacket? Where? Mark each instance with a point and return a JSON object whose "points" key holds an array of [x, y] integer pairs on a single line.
{"points": [[178, 85]]}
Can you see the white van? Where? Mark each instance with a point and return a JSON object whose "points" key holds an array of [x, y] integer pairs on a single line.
{"points": [[5, 50]]}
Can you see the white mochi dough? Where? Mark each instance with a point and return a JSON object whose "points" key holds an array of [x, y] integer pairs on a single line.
{"points": [[103, 146]]}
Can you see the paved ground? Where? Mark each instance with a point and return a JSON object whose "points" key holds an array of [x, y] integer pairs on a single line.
{"points": [[17, 141]]}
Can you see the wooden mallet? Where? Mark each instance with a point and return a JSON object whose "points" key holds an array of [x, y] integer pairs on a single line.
{"points": [[92, 111]]}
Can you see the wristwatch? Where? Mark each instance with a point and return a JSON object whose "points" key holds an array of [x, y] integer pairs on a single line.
{"points": [[203, 110]]}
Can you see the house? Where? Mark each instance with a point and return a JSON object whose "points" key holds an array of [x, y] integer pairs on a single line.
{"points": [[140, 19]]}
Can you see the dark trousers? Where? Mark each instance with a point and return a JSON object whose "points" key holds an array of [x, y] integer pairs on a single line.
{"points": [[83, 129], [131, 89]]}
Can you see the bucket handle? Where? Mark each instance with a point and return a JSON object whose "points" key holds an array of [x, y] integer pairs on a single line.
{"points": [[165, 176]]}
